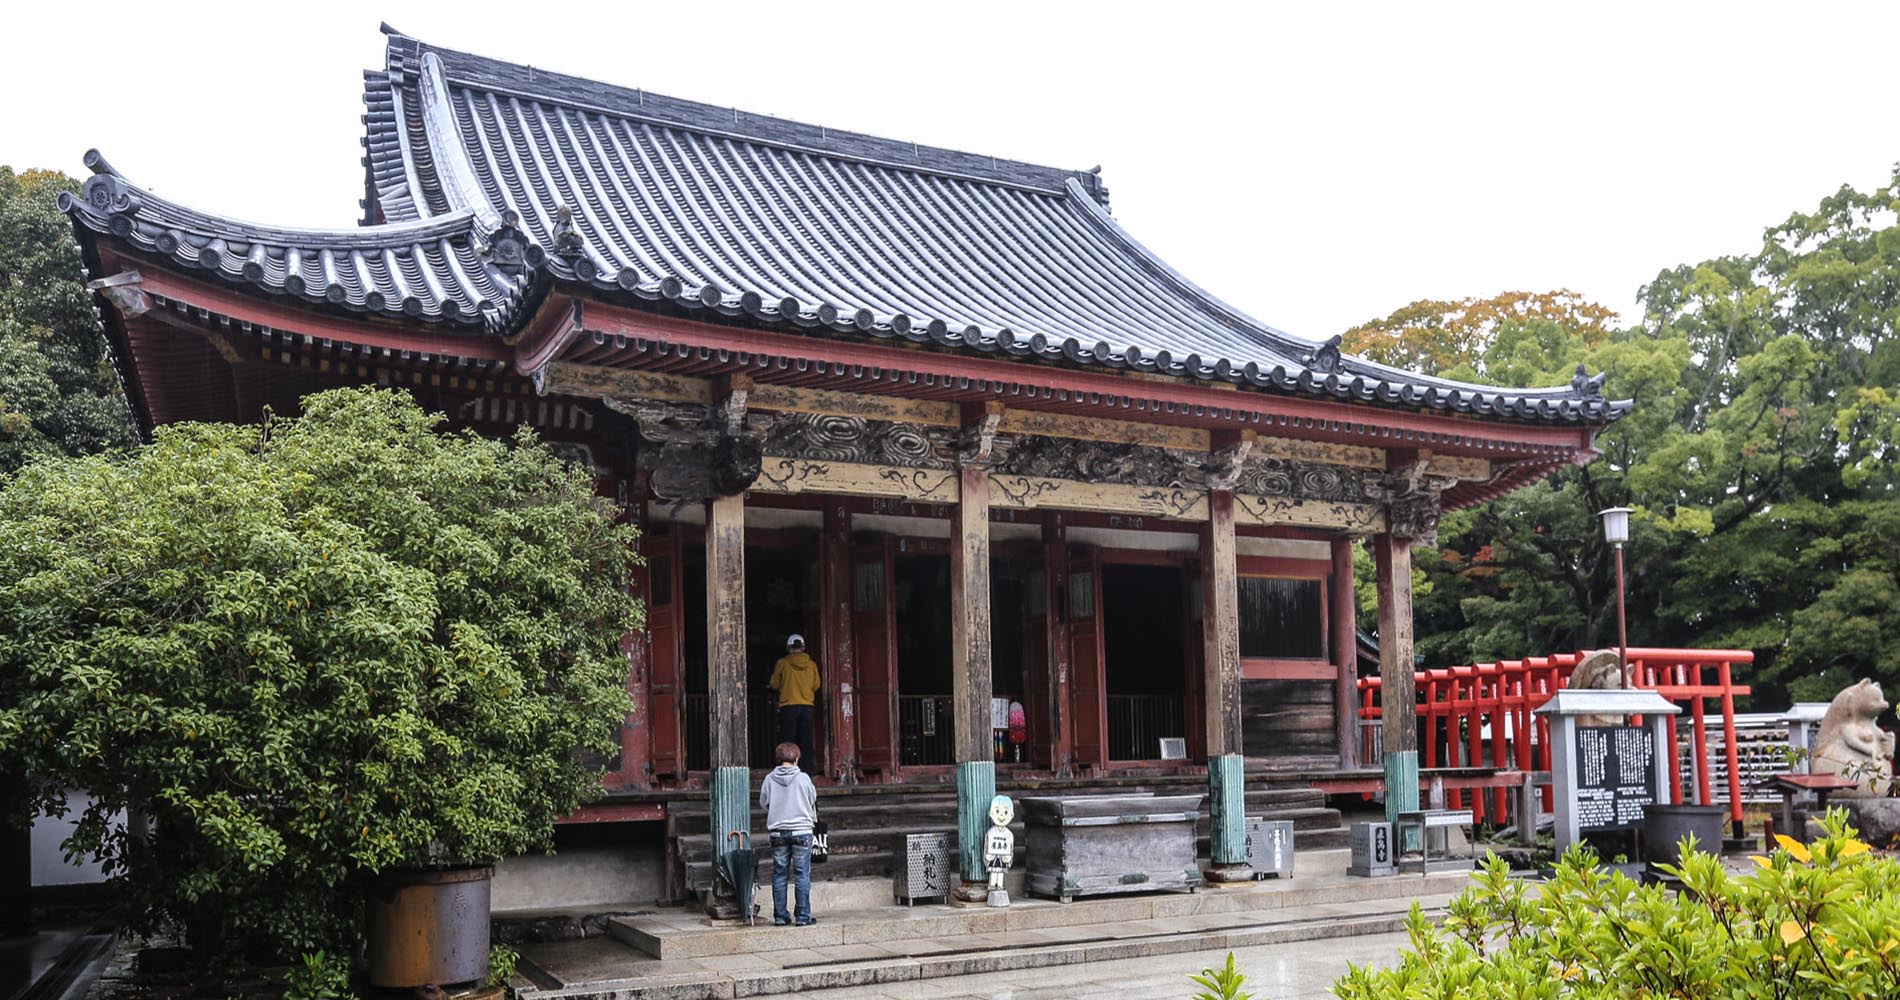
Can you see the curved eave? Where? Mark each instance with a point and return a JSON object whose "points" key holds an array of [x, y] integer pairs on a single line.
{"points": [[748, 308], [430, 272]]}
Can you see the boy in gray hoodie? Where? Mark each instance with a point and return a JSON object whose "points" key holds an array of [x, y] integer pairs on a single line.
{"points": [[791, 807]]}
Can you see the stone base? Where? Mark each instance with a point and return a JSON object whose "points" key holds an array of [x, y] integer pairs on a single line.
{"points": [[973, 892], [1228, 873], [999, 897], [1878, 820]]}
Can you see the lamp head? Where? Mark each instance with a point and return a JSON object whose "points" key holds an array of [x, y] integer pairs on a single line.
{"points": [[1616, 525]]}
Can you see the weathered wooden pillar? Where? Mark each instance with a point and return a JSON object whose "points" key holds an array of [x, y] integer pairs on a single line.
{"points": [[970, 648], [1220, 662], [1342, 615], [1392, 556], [1055, 554], [726, 672], [840, 671]]}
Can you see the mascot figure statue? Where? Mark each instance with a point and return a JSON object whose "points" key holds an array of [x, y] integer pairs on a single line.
{"points": [[999, 848]]}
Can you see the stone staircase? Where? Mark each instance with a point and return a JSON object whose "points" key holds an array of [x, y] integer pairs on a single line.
{"points": [[870, 943], [868, 824]]}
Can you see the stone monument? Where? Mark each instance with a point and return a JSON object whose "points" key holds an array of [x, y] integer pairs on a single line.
{"points": [[1605, 774]]}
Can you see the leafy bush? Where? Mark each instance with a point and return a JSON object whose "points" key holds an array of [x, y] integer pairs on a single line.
{"points": [[1221, 984], [501, 964], [1820, 922], [306, 652], [319, 975]]}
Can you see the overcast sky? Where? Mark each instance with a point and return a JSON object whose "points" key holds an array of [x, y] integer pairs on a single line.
{"points": [[1314, 164]]}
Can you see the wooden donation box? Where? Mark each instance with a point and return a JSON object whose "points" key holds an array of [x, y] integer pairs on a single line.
{"points": [[1105, 844], [1603, 771]]}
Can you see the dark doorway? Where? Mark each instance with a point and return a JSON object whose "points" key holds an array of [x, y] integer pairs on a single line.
{"points": [[924, 730], [1144, 658], [1010, 639], [780, 595]]}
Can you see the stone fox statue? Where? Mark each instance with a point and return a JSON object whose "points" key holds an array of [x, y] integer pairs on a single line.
{"points": [[1851, 746]]}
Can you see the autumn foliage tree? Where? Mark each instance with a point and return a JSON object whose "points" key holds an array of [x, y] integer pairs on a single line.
{"points": [[1442, 337]]}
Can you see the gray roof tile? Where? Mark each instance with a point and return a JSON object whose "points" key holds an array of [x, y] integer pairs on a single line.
{"points": [[431, 270], [655, 198]]}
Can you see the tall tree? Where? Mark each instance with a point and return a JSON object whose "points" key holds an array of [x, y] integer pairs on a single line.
{"points": [[59, 393], [1760, 457]]}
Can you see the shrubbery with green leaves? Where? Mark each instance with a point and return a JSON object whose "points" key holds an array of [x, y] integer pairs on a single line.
{"points": [[1809, 922], [306, 652]]}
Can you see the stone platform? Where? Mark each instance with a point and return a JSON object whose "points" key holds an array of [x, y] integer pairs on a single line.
{"points": [[679, 954]]}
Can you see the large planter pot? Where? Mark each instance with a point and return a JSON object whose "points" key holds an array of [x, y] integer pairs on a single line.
{"points": [[429, 927], [1665, 825]]}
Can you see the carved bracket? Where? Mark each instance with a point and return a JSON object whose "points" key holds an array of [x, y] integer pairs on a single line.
{"points": [[976, 447], [1223, 470], [1412, 502], [703, 451]]}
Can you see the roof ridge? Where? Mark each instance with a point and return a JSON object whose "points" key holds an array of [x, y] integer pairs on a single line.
{"points": [[487, 73]]}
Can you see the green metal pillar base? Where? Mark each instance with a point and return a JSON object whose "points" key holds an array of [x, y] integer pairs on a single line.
{"points": [[976, 786], [731, 811], [1401, 789], [1227, 819]]}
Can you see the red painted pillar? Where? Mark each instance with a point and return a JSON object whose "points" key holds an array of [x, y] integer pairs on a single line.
{"points": [[836, 567], [1727, 681]]}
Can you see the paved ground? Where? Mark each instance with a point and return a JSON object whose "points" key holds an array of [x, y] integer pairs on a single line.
{"points": [[1301, 971]]}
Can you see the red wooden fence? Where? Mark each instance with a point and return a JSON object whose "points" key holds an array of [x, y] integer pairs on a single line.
{"points": [[1456, 703]]}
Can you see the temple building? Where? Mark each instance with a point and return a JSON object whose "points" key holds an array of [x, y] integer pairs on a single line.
{"points": [[935, 411]]}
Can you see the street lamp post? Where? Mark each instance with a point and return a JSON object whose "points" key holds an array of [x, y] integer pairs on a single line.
{"points": [[1616, 531]]}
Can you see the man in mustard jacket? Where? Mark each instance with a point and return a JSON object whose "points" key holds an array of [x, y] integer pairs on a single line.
{"points": [[795, 679]]}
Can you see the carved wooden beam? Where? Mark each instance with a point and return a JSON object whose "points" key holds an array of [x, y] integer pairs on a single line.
{"points": [[1032, 492], [799, 475], [1352, 518]]}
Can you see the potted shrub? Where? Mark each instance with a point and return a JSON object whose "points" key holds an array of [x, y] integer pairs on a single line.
{"points": [[314, 652]]}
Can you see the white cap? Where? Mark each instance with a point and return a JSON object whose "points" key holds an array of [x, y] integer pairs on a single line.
{"points": [[794, 640]]}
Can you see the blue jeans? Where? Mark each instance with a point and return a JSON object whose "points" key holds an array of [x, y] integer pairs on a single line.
{"points": [[791, 855]]}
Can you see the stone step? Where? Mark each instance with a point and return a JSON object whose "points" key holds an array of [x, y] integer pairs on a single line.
{"points": [[895, 945], [692, 936]]}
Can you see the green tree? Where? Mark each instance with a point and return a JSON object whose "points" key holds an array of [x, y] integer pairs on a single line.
{"points": [[59, 393], [308, 651], [1760, 458]]}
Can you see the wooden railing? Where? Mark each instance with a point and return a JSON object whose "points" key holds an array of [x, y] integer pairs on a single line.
{"points": [[925, 732], [1480, 715], [1138, 722]]}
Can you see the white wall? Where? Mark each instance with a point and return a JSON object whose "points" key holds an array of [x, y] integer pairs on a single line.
{"points": [[49, 866]]}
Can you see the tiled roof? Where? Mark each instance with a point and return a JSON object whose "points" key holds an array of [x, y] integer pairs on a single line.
{"points": [[436, 270], [651, 198]]}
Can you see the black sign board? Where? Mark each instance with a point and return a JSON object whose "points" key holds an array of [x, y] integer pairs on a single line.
{"points": [[1616, 776]]}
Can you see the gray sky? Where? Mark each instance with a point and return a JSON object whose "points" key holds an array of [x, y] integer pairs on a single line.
{"points": [[1314, 164]]}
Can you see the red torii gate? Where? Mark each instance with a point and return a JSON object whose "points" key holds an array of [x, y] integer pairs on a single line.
{"points": [[1455, 703]]}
